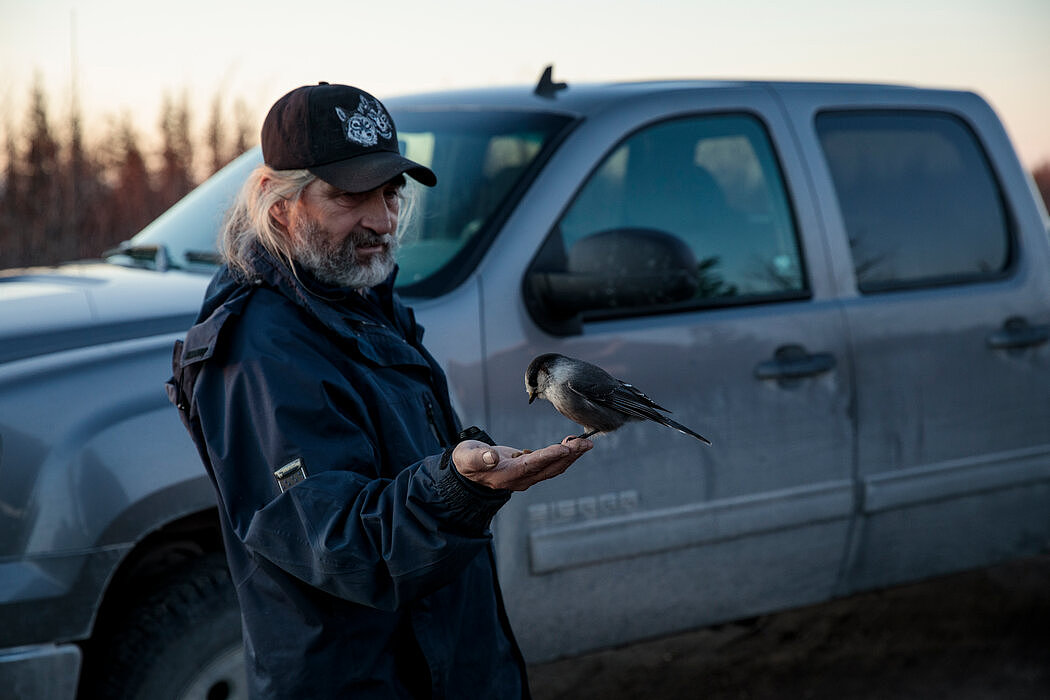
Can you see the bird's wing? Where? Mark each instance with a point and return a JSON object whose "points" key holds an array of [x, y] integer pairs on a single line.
{"points": [[632, 393], [632, 402], [629, 400], [616, 395], [594, 391]]}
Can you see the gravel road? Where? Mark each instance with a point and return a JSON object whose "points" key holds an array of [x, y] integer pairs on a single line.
{"points": [[972, 636]]}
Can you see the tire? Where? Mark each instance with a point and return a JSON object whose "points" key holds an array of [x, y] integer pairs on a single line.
{"points": [[181, 642]]}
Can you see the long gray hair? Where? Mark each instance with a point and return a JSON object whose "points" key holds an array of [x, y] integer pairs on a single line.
{"points": [[249, 219]]}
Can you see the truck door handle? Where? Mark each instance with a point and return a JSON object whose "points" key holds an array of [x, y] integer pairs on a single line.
{"points": [[794, 362], [1018, 333]]}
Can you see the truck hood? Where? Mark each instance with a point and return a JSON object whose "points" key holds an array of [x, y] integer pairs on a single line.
{"points": [[44, 310]]}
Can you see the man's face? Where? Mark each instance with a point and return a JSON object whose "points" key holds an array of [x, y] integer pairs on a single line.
{"points": [[345, 239]]}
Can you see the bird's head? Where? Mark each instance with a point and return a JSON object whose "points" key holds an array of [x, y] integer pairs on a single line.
{"points": [[537, 376]]}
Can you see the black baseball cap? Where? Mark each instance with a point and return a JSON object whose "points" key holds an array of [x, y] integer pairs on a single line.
{"points": [[341, 134]]}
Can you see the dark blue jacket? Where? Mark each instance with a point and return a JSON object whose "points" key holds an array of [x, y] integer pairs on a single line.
{"points": [[374, 576]]}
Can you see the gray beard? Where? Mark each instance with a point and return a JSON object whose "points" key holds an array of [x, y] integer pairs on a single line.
{"points": [[338, 265]]}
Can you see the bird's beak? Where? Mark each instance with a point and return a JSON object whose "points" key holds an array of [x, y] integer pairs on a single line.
{"points": [[532, 396]]}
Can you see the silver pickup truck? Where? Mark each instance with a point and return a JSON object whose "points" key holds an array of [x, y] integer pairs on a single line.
{"points": [[845, 287]]}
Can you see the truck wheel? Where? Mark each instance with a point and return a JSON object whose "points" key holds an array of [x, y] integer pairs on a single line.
{"points": [[180, 642]]}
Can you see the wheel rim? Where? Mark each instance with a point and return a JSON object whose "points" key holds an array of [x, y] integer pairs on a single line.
{"points": [[222, 679]]}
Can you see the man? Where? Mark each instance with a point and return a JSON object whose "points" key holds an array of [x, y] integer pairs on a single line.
{"points": [[355, 513]]}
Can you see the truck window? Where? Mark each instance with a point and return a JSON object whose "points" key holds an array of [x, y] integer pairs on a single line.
{"points": [[711, 181], [483, 157], [919, 201]]}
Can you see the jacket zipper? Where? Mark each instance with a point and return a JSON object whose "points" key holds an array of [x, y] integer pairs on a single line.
{"points": [[432, 421]]}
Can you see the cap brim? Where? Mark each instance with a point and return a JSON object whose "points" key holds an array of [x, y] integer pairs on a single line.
{"points": [[371, 170]]}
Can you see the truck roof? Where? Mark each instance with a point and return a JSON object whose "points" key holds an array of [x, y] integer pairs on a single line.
{"points": [[581, 99]]}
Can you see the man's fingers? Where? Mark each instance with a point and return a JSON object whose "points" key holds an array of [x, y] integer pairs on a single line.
{"points": [[509, 468], [549, 461]]}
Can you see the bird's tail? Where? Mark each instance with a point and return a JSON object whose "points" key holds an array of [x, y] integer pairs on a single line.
{"points": [[682, 429]]}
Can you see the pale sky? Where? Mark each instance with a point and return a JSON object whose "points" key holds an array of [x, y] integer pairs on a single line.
{"points": [[124, 55]]}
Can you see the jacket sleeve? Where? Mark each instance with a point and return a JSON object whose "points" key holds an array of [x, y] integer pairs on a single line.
{"points": [[377, 542], [380, 542]]}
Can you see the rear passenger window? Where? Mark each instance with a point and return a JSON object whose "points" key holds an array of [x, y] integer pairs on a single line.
{"points": [[713, 184], [919, 201]]}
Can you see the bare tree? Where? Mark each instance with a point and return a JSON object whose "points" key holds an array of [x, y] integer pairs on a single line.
{"points": [[75, 185], [215, 136], [132, 194], [245, 130], [10, 194], [37, 205], [176, 177], [223, 146]]}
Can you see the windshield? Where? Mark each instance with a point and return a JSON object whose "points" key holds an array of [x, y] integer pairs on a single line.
{"points": [[483, 159]]}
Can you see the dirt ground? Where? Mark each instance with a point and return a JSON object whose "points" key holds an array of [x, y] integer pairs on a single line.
{"points": [[973, 636]]}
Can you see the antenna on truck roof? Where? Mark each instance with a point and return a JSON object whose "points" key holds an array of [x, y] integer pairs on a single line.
{"points": [[547, 87]]}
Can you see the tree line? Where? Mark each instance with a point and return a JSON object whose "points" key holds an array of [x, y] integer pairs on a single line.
{"points": [[63, 198]]}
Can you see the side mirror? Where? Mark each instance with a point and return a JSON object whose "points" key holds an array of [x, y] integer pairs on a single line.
{"points": [[617, 269]]}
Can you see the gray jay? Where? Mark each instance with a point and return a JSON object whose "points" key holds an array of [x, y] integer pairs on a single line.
{"points": [[588, 395]]}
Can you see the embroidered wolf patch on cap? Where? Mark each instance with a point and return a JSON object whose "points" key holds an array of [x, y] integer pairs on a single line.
{"points": [[367, 123]]}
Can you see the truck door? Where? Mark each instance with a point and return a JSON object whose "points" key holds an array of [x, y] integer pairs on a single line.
{"points": [[652, 531], [948, 319]]}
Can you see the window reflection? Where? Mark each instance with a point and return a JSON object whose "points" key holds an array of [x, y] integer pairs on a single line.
{"points": [[710, 181], [918, 199]]}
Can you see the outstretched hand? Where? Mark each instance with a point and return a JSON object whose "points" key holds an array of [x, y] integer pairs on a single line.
{"points": [[502, 467]]}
